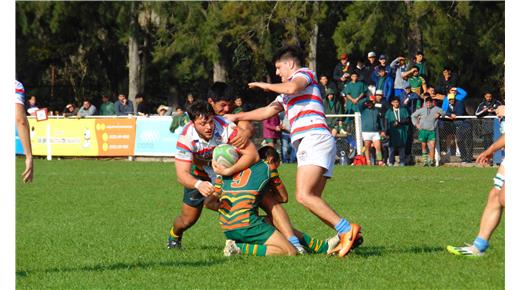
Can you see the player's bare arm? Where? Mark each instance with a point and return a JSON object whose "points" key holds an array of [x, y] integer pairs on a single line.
{"points": [[484, 157], [184, 177], [244, 132], [287, 88], [23, 132], [259, 114]]}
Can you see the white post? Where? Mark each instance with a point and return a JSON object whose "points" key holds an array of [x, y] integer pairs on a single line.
{"points": [[437, 147], [49, 147], [357, 125]]}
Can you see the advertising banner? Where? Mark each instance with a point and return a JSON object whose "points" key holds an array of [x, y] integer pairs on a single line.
{"points": [[153, 137], [115, 137], [84, 137], [68, 137]]}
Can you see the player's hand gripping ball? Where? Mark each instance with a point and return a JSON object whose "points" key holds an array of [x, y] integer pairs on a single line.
{"points": [[225, 155]]}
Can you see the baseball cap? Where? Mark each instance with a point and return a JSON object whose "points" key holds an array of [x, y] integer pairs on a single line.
{"points": [[371, 54], [379, 92], [382, 56], [343, 56], [451, 97]]}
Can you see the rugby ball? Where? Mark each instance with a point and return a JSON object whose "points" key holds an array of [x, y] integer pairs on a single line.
{"points": [[225, 155]]}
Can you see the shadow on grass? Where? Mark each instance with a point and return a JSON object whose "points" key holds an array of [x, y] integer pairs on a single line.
{"points": [[376, 251], [124, 266]]}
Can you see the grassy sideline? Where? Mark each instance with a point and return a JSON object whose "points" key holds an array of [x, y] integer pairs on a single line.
{"points": [[103, 224]]}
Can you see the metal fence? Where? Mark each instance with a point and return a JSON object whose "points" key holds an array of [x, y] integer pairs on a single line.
{"points": [[458, 141]]}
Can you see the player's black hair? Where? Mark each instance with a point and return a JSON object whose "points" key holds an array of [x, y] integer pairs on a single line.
{"points": [[221, 91], [269, 151], [290, 52], [428, 99], [200, 109]]}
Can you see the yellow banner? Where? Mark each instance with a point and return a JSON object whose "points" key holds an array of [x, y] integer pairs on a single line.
{"points": [[69, 137]]}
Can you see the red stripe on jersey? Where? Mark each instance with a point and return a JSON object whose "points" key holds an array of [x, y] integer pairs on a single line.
{"points": [[300, 129], [220, 120], [204, 150], [302, 113], [233, 135], [185, 130], [182, 160], [20, 91], [304, 97], [311, 76], [180, 145]]}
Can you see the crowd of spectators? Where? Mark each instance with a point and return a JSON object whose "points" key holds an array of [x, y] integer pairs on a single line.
{"points": [[388, 94]]}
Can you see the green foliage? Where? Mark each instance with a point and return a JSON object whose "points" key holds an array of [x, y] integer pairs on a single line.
{"points": [[94, 224]]}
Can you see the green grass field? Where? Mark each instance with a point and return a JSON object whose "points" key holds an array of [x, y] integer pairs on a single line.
{"points": [[103, 224]]}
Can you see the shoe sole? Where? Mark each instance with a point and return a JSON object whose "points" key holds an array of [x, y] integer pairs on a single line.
{"points": [[347, 246]]}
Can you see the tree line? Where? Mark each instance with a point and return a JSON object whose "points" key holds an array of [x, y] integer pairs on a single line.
{"points": [[67, 51]]}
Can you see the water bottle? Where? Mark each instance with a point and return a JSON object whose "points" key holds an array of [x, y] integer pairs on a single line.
{"points": [[342, 158]]}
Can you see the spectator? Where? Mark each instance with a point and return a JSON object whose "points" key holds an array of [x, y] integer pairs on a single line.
{"points": [[417, 83], [107, 107], [411, 100], [371, 128], [238, 105], [326, 85], [87, 109], [162, 110], [382, 64], [333, 106], [397, 120], [460, 95], [124, 106], [420, 63], [437, 98], [447, 81], [399, 68], [288, 153], [341, 73], [70, 110], [189, 100], [32, 107], [487, 108], [180, 119], [364, 73], [143, 108], [384, 83], [425, 120], [352, 93], [462, 128], [382, 106], [271, 130], [372, 63]]}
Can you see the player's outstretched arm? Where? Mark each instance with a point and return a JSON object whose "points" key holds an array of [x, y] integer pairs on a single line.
{"points": [[287, 88], [23, 132], [484, 157], [259, 114], [182, 168]]}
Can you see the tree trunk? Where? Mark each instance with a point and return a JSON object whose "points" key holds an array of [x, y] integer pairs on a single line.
{"points": [[134, 61], [313, 47], [219, 71], [414, 33]]}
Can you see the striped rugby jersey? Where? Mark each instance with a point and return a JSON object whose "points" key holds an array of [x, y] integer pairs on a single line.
{"points": [[193, 149], [305, 108], [19, 93]]}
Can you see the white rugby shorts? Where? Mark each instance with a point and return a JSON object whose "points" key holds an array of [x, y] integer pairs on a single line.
{"points": [[371, 136], [316, 149]]}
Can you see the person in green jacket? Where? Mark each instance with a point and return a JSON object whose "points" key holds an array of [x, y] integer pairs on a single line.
{"points": [[352, 93], [107, 107], [371, 129], [179, 119], [397, 123], [333, 106]]}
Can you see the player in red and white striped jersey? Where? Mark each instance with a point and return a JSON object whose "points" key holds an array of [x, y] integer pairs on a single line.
{"points": [[23, 130], [316, 148]]}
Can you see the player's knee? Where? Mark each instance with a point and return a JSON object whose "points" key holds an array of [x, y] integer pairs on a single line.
{"points": [[302, 198]]}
